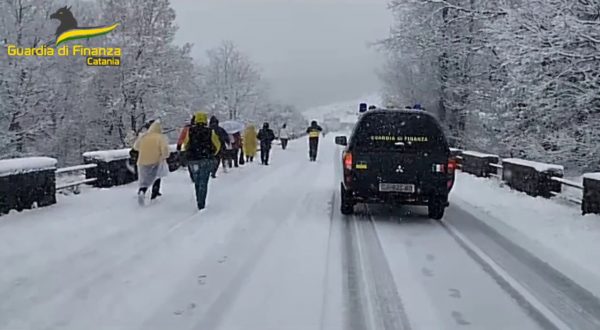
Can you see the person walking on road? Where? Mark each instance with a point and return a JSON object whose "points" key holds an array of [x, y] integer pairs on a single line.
{"points": [[236, 146], [266, 137], [228, 153], [284, 136], [223, 139], [249, 143], [202, 145], [180, 147], [313, 131], [152, 152]]}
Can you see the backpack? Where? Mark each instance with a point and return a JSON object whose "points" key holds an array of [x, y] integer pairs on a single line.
{"points": [[200, 143]]}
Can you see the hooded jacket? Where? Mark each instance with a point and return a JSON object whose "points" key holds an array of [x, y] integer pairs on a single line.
{"points": [[250, 143], [314, 130], [266, 136], [152, 146]]}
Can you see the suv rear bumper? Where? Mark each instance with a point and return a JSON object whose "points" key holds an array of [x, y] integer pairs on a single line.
{"points": [[395, 198]]}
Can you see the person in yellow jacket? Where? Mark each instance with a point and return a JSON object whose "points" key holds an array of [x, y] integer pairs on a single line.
{"points": [[153, 151], [313, 131], [202, 144], [249, 143]]}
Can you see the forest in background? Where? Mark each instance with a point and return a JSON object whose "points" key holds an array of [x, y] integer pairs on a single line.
{"points": [[519, 78], [60, 107]]}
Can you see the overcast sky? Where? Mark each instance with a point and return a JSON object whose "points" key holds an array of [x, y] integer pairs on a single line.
{"points": [[312, 52]]}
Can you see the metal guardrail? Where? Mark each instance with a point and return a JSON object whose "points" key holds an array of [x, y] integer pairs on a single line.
{"points": [[568, 182], [74, 186], [75, 168]]}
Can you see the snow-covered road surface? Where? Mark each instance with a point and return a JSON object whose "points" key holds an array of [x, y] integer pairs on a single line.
{"points": [[271, 251]]}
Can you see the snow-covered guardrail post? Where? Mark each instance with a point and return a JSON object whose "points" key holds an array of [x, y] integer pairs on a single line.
{"points": [[532, 178], [478, 164], [111, 169], [25, 182], [591, 193]]}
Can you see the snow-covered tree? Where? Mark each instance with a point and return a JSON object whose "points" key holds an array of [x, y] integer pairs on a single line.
{"points": [[510, 76], [232, 83]]}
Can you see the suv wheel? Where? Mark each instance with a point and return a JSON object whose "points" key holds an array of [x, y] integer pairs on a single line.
{"points": [[436, 208], [347, 205]]}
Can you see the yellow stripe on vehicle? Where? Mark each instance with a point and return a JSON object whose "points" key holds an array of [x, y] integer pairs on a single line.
{"points": [[361, 166]]}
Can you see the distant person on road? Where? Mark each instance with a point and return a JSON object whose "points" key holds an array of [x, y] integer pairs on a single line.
{"points": [[313, 131], [153, 150], [236, 147], [266, 137], [284, 136], [223, 139], [250, 143], [202, 145], [228, 153]]}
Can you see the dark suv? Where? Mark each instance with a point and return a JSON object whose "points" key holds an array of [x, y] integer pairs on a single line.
{"points": [[399, 157]]}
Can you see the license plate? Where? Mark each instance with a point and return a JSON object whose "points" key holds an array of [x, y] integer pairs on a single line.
{"points": [[397, 187]]}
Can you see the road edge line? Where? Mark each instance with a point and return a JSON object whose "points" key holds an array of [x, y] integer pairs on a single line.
{"points": [[518, 291]]}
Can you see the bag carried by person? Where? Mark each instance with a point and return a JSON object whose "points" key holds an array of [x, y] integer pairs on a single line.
{"points": [[163, 169]]}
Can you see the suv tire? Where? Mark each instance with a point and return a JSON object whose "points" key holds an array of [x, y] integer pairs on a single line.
{"points": [[436, 208], [347, 203]]}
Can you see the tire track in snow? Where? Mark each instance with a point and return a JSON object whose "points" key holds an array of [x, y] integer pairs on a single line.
{"points": [[374, 301], [557, 295]]}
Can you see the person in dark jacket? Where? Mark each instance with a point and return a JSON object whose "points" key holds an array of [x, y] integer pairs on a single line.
{"points": [[223, 139], [266, 137], [313, 131], [202, 145], [236, 146]]}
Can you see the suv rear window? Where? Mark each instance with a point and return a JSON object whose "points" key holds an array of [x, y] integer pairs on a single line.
{"points": [[399, 131]]}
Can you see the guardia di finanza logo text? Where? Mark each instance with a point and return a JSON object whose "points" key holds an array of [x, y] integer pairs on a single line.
{"points": [[69, 30]]}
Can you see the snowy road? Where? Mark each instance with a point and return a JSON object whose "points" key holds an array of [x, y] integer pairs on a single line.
{"points": [[271, 251]]}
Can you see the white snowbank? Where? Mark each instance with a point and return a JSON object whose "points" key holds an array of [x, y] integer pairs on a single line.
{"points": [[555, 232], [108, 155], [477, 154], [540, 167], [24, 165], [592, 176], [346, 111]]}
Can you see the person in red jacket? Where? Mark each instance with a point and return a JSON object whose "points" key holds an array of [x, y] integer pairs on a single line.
{"points": [[185, 131]]}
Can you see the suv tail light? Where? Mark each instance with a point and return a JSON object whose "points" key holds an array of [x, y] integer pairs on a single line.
{"points": [[348, 161], [451, 165]]}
